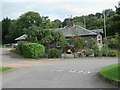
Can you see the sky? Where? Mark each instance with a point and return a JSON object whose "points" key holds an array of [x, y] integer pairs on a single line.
{"points": [[55, 9]]}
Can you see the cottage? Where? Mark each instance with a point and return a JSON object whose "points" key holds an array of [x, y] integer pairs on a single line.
{"points": [[75, 30]]}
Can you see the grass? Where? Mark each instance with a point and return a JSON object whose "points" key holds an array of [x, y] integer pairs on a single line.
{"points": [[1, 46], [2, 69], [111, 72]]}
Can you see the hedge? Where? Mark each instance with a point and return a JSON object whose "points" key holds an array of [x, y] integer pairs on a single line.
{"points": [[31, 50]]}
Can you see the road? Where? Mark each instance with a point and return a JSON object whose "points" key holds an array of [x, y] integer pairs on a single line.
{"points": [[63, 73]]}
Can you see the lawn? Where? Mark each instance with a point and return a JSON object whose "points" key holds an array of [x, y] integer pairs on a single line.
{"points": [[111, 72], [1, 46], [4, 69]]}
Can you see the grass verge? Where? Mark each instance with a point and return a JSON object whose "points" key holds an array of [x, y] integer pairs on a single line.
{"points": [[1, 46], [111, 73], [2, 69]]}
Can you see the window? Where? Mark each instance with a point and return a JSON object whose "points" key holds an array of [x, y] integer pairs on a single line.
{"points": [[99, 41]]}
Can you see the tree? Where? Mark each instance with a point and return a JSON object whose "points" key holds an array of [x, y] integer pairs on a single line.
{"points": [[68, 22], [99, 15], [46, 24], [93, 23], [32, 33], [114, 23], [28, 19], [5, 26], [113, 41], [78, 42], [12, 33], [108, 12], [56, 24], [45, 37]]}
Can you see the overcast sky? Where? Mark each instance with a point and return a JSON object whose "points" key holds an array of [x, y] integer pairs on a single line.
{"points": [[55, 9]]}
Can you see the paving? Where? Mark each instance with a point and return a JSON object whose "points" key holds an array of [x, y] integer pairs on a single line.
{"points": [[56, 73]]}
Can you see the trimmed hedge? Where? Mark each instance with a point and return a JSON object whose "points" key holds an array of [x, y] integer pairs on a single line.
{"points": [[31, 50], [54, 53]]}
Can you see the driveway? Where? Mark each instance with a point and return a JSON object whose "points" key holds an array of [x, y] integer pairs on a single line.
{"points": [[60, 73]]}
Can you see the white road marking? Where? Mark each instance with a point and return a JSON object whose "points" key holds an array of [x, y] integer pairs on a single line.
{"points": [[79, 71], [60, 70], [87, 72], [73, 71], [51, 70]]}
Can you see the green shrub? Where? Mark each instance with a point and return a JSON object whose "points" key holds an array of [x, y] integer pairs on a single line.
{"points": [[54, 53], [33, 50], [112, 53], [96, 50], [105, 50], [30, 50], [19, 47], [42, 55], [89, 52]]}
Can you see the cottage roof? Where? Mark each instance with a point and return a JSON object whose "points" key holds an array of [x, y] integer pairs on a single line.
{"points": [[23, 37], [69, 31], [97, 31], [76, 30]]}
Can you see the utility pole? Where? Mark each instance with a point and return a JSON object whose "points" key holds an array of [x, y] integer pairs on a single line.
{"points": [[84, 23], [105, 29], [104, 24]]}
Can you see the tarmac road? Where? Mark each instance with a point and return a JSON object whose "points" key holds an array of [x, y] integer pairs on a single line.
{"points": [[68, 73]]}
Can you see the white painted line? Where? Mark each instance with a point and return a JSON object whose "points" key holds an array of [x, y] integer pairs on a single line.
{"points": [[60, 70], [51, 70], [87, 72], [73, 71], [79, 71]]}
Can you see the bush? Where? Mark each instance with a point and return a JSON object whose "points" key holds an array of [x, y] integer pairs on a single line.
{"points": [[105, 50], [33, 50], [30, 50], [89, 52], [19, 47], [42, 55], [54, 53], [96, 50], [112, 53]]}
